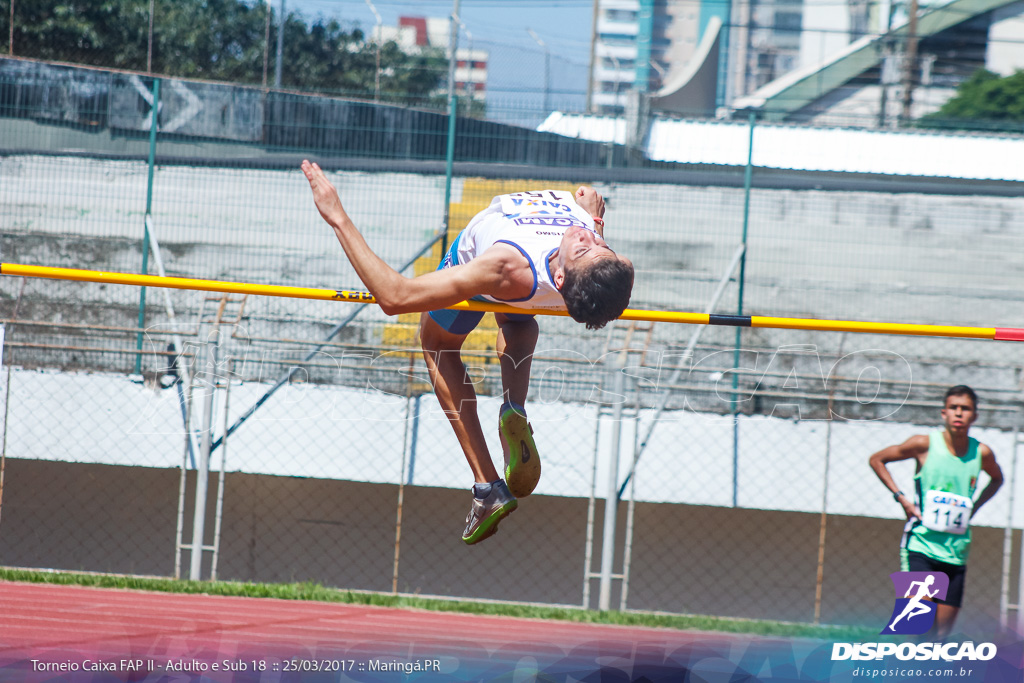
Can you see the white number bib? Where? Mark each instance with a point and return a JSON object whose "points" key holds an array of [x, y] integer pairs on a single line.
{"points": [[543, 202], [946, 512]]}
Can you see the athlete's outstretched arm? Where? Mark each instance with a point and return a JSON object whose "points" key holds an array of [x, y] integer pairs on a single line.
{"points": [[394, 292]]}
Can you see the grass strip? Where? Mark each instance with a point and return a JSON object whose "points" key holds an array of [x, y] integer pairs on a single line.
{"points": [[316, 592]]}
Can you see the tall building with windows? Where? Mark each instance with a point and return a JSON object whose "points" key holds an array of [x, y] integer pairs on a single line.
{"points": [[638, 44], [615, 54], [705, 57], [643, 45]]}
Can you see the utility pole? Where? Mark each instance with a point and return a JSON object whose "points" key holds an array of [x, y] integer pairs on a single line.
{"points": [[470, 80], [280, 48], [266, 41], [376, 78], [453, 47], [909, 63], [547, 70], [149, 50], [888, 58], [590, 72]]}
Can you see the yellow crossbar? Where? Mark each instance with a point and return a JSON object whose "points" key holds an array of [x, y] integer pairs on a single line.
{"points": [[996, 333]]}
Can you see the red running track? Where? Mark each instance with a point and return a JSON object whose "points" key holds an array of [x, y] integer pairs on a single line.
{"points": [[77, 634], [63, 633]]}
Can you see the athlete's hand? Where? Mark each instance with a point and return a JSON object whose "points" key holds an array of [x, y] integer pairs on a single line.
{"points": [[328, 203], [590, 201], [909, 508]]}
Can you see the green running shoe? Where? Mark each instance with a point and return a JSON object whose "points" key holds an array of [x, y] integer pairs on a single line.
{"points": [[482, 520], [522, 468]]}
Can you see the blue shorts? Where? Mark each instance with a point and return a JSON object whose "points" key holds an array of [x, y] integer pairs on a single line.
{"points": [[462, 322]]}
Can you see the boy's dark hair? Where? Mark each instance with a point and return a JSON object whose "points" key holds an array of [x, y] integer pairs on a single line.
{"points": [[961, 390], [598, 293]]}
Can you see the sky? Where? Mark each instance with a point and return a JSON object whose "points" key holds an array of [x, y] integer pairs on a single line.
{"points": [[517, 62], [562, 24]]}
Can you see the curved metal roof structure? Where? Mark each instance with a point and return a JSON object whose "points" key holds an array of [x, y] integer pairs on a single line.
{"points": [[802, 86]]}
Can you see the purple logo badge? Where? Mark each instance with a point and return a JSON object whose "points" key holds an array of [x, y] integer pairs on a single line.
{"points": [[914, 611]]}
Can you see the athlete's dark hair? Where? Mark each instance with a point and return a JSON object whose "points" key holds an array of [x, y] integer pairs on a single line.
{"points": [[961, 390], [598, 293]]}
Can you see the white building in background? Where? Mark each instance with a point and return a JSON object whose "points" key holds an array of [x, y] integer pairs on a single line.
{"points": [[768, 40], [615, 54], [639, 43], [795, 58], [785, 36], [863, 81], [415, 33], [1005, 50], [650, 45]]}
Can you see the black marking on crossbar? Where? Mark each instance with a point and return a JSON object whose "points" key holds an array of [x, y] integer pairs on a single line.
{"points": [[731, 320]]}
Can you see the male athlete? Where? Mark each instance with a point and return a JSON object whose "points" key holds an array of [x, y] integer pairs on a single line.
{"points": [[531, 250], [937, 536]]}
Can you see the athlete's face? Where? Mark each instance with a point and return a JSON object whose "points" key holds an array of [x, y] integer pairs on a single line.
{"points": [[580, 247], [959, 414]]}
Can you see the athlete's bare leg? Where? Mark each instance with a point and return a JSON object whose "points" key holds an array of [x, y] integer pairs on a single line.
{"points": [[517, 340], [945, 617], [455, 393]]}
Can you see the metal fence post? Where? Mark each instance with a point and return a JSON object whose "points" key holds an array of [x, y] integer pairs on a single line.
{"points": [[149, 207], [612, 499], [747, 176], [7, 407], [203, 466]]}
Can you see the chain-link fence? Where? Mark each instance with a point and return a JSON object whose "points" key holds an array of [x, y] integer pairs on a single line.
{"points": [[737, 456], [329, 49], [869, 68]]}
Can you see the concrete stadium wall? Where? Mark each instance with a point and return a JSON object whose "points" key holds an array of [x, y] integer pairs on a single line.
{"points": [[729, 562]]}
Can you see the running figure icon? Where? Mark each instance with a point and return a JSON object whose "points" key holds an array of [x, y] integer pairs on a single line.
{"points": [[915, 607]]}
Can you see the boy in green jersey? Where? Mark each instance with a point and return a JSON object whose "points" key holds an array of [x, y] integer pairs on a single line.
{"points": [[937, 536]]}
